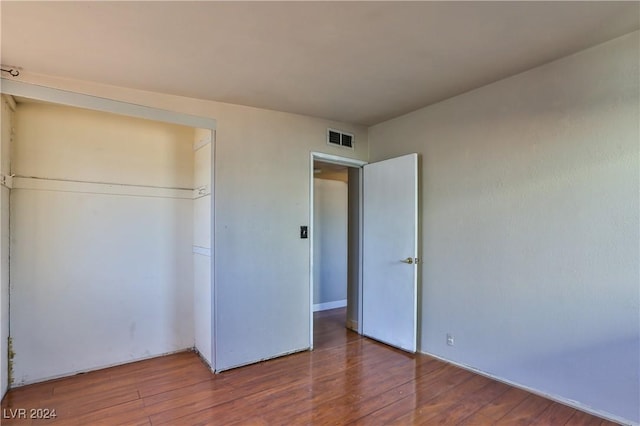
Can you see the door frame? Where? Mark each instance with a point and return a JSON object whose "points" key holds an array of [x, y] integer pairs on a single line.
{"points": [[342, 161]]}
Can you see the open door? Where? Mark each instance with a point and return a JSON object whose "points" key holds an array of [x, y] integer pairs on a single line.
{"points": [[390, 251]]}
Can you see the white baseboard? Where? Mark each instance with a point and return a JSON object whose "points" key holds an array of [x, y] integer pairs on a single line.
{"points": [[231, 367], [329, 305], [101, 367], [559, 399]]}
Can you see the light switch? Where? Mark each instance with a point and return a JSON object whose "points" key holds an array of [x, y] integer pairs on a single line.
{"points": [[304, 232]]}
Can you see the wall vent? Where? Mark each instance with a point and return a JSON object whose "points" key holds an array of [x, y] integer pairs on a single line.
{"points": [[339, 138]]}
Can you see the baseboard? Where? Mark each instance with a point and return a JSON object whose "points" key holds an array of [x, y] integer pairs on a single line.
{"points": [[559, 399], [89, 370], [204, 360], [329, 305], [233, 367], [352, 325]]}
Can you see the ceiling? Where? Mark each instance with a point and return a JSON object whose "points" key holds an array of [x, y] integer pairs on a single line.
{"points": [[359, 62]]}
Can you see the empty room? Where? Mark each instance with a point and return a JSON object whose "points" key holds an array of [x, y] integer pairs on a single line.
{"points": [[320, 213]]}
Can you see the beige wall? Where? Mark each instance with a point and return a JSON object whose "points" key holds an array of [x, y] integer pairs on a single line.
{"points": [[101, 254], [79, 144], [530, 226], [262, 198]]}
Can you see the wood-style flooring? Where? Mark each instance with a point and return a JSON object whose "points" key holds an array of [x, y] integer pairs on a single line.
{"points": [[347, 379]]}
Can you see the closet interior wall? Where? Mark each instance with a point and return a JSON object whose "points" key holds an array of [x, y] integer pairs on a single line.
{"points": [[6, 131], [102, 240]]}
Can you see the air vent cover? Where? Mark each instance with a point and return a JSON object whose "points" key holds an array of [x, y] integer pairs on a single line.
{"points": [[339, 138]]}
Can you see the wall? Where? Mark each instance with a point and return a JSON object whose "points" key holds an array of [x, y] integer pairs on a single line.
{"points": [[202, 289], [262, 199], [6, 126], [530, 226], [330, 244], [353, 244], [101, 254], [261, 266]]}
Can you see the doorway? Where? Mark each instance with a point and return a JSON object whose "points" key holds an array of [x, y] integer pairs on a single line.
{"points": [[335, 241], [382, 251]]}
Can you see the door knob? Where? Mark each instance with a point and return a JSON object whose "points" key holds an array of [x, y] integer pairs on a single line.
{"points": [[408, 260]]}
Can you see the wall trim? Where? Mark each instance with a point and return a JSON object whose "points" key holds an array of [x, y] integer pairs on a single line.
{"points": [[336, 159], [116, 364], [203, 359], [329, 305], [352, 325], [294, 351], [64, 97], [559, 399]]}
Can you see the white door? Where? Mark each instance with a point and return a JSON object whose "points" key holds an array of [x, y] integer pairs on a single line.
{"points": [[390, 251]]}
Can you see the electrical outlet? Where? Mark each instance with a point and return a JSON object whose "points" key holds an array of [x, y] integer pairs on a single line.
{"points": [[450, 340]]}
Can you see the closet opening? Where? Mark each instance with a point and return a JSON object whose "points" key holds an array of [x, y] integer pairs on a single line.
{"points": [[110, 225]]}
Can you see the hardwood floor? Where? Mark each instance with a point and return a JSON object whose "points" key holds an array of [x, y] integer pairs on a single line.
{"points": [[347, 379]]}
